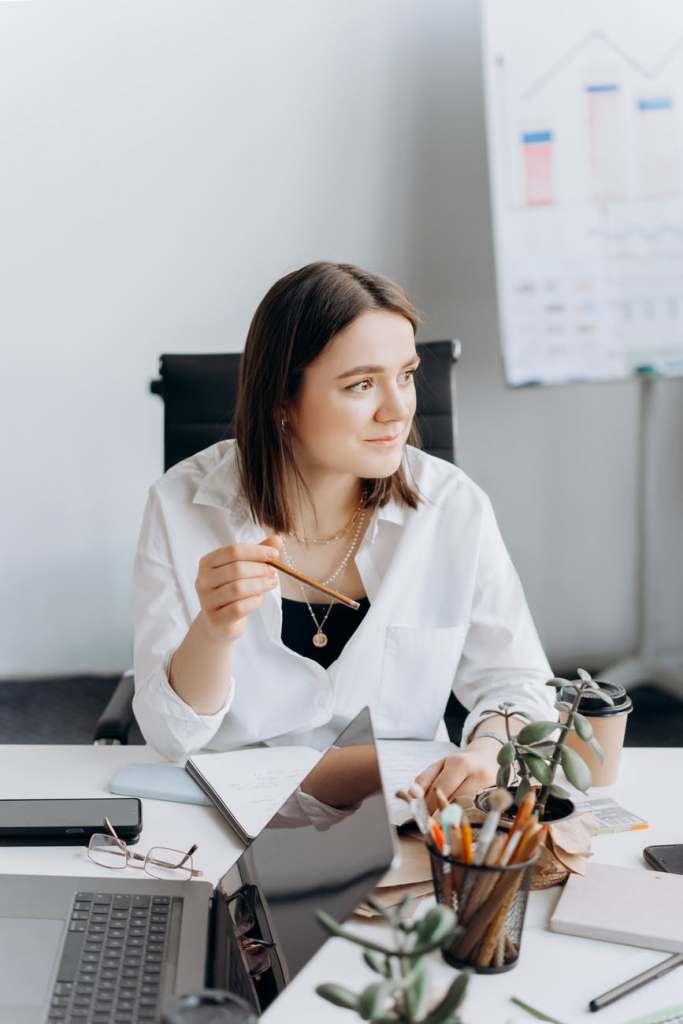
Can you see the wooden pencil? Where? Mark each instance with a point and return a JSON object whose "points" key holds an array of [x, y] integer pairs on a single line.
{"points": [[295, 574]]}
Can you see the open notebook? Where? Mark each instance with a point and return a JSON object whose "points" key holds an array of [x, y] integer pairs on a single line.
{"points": [[248, 786]]}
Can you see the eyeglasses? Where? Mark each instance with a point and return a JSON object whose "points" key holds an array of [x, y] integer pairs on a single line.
{"points": [[108, 851]]}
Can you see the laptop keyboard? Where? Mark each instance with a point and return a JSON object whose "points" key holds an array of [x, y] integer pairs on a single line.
{"points": [[111, 971]]}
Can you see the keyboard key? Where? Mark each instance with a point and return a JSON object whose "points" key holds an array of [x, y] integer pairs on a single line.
{"points": [[142, 901], [103, 897]]}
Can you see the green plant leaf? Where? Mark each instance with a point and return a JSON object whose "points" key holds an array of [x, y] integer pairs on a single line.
{"points": [[379, 909], [584, 676], [338, 995], [450, 1002], [522, 790], [375, 999], [335, 928], [604, 697], [563, 705], [576, 769], [597, 749], [539, 769], [559, 684], [506, 754], [436, 925], [504, 777], [377, 963], [543, 749], [417, 992], [536, 731], [584, 730]]}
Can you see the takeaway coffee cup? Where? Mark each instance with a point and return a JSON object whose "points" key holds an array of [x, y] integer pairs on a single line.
{"points": [[609, 727]]}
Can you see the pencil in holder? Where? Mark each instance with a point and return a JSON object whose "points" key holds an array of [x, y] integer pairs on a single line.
{"points": [[490, 904]]}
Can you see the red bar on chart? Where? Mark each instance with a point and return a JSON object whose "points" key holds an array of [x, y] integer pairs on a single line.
{"points": [[606, 143], [537, 148], [657, 147]]}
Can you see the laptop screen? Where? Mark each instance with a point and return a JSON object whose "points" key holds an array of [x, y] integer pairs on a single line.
{"points": [[326, 849]]}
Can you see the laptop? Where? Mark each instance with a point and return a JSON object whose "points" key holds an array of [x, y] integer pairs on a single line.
{"points": [[100, 950]]}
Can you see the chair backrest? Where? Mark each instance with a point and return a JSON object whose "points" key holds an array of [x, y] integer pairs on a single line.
{"points": [[200, 393]]}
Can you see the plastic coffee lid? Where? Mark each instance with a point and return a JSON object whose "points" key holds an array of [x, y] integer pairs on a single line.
{"points": [[593, 707]]}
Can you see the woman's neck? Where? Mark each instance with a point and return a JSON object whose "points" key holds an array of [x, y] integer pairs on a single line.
{"points": [[333, 501]]}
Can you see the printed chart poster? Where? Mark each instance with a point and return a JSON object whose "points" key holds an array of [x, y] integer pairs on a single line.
{"points": [[583, 104]]}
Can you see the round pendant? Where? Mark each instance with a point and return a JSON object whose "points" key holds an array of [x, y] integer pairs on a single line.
{"points": [[319, 639]]}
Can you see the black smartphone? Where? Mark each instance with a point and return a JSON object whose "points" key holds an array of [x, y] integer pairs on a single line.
{"points": [[67, 822], [665, 858]]}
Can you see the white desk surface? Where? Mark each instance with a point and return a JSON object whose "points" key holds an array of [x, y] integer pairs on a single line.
{"points": [[557, 974]]}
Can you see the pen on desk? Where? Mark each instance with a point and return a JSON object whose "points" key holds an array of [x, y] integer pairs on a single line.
{"points": [[295, 574], [633, 983]]}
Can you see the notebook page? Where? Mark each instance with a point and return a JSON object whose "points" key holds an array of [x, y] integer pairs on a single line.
{"points": [[401, 761], [254, 783]]}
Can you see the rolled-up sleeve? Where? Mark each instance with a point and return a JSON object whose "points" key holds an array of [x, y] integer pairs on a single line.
{"points": [[162, 619], [502, 659]]}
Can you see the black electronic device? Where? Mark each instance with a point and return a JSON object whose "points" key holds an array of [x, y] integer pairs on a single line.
{"points": [[67, 822], [665, 858]]}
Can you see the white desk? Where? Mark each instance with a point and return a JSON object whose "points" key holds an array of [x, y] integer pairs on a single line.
{"points": [[557, 974]]}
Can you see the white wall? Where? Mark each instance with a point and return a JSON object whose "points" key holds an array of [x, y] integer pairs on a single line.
{"points": [[163, 163]]}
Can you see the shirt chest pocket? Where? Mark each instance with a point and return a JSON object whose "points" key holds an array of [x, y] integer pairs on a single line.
{"points": [[418, 669]]}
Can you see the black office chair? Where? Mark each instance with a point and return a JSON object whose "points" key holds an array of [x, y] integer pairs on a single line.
{"points": [[200, 394]]}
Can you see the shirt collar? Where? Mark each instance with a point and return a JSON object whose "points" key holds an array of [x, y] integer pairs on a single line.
{"points": [[221, 488]]}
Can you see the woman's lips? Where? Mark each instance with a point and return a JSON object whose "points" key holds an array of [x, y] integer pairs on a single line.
{"points": [[384, 440]]}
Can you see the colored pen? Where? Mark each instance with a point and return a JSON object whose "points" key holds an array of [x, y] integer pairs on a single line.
{"points": [[663, 967]]}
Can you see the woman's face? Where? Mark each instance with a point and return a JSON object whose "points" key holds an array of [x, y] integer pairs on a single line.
{"points": [[356, 394]]}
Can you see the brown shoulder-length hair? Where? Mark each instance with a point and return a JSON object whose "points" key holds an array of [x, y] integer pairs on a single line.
{"points": [[294, 322]]}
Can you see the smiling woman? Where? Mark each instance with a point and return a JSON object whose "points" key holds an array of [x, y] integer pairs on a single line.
{"points": [[326, 474]]}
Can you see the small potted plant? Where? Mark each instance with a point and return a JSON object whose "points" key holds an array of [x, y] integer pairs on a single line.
{"points": [[539, 748], [533, 757], [402, 995]]}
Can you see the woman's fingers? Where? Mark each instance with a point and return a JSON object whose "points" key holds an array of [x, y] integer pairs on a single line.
{"points": [[238, 590], [240, 553], [426, 777], [449, 780], [232, 580], [215, 578]]}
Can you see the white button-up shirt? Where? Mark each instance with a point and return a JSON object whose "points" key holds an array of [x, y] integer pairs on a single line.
{"points": [[447, 612]]}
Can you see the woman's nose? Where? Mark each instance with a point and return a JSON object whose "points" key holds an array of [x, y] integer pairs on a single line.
{"points": [[394, 407]]}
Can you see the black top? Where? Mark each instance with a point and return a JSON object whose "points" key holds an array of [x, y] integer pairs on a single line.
{"points": [[298, 628]]}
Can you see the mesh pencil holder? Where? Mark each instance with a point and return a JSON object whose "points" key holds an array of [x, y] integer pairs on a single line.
{"points": [[490, 904]]}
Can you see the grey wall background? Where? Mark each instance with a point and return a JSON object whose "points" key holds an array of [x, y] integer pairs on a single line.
{"points": [[163, 163]]}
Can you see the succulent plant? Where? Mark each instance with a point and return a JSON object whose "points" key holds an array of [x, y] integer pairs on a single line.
{"points": [[402, 996], [539, 748]]}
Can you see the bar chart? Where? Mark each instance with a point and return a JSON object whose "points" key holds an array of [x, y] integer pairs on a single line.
{"points": [[585, 147]]}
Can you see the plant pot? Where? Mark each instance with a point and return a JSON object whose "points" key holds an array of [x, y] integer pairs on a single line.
{"points": [[548, 870]]}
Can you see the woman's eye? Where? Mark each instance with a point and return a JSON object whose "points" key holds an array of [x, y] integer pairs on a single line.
{"points": [[357, 387], [408, 375]]}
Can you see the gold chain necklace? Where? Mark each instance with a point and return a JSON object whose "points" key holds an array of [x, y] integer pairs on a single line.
{"points": [[319, 637], [335, 536]]}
